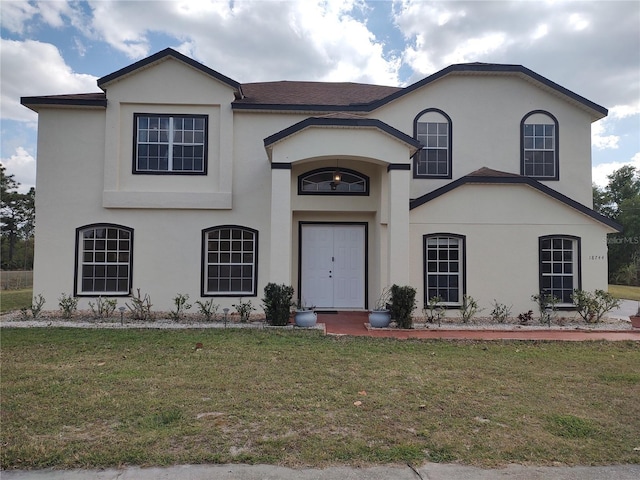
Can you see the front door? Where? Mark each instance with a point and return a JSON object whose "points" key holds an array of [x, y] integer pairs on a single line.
{"points": [[333, 265]]}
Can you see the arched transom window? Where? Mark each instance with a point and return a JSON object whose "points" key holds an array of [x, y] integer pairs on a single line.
{"points": [[333, 181]]}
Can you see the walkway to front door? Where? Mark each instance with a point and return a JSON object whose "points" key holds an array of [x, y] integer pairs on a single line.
{"points": [[353, 323]]}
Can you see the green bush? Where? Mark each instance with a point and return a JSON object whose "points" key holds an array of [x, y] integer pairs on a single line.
{"points": [[68, 305], [593, 306], [277, 302], [403, 302]]}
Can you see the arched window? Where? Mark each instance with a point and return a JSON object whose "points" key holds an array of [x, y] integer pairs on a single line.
{"points": [[104, 256], [333, 181], [539, 145], [432, 128], [230, 260]]}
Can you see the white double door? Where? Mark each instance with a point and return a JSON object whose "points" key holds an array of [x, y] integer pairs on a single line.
{"points": [[333, 265]]}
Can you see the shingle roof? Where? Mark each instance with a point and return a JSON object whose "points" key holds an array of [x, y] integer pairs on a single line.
{"points": [[486, 175], [313, 93], [325, 96]]}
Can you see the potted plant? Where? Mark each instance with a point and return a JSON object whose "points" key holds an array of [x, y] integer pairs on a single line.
{"points": [[277, 302], [635, 319], [403, 302], [305, 315], [380, 316]]}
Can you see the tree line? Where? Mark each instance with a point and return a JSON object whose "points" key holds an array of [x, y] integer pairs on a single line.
{"points": [[17, 223], [620, 201]]}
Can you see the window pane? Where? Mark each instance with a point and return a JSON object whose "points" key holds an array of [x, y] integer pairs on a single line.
{"points": [[230, 262]]}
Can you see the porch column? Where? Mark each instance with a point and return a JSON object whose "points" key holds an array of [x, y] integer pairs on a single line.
{"points": [[398, 223], [280, 245]]}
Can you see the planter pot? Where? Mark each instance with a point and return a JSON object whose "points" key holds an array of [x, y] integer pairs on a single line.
{"points": [[379, 318], [635, 321], [306, 318]]}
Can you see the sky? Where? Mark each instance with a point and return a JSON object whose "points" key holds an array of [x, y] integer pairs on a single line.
{"points": [[590, 47]]}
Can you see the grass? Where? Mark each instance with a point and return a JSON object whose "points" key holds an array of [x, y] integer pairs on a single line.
{"points": [[100, 398], [15, 299], [625, 291]]}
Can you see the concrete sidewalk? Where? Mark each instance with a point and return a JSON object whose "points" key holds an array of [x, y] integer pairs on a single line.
{"points": [[430, 471]]}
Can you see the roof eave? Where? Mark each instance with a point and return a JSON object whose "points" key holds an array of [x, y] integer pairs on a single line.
{"points": [[161, 56], [517, 180], [34, 103]]}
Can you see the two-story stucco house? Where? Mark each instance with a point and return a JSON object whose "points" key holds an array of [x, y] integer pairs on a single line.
{"points": [[177, 179]]}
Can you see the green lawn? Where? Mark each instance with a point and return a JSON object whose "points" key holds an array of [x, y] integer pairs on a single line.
{"points": [[99, 398], [625, 291], [15, 299]]}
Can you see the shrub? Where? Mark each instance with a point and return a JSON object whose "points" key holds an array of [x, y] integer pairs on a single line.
{"points": [[208, 309], [103, 308], [434, 311], [277, 301], [35, 308], [244, 309], [68, 305], [403, 302], [180, 301], [140, 307], [593, 306], [526, 317], [546, 306], [500, 312], [469, 308]]}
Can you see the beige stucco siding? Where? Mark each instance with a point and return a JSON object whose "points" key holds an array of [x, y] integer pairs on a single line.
{"points": [[170, 87], [502, 224], [486, 112], [69, 193]]}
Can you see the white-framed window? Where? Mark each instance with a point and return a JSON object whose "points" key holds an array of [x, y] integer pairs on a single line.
{"points": [[540, 146], [170, 144], [444, 255], [559, 266], [433, 130], [230, 259], [104, 259]]}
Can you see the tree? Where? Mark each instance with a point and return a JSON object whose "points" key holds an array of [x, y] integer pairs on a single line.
{"points": [[620, 200], [17, 222]]}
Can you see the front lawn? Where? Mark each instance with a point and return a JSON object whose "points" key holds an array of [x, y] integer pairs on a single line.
{"points": [[15, 299], [625, 291], [99, 398]]}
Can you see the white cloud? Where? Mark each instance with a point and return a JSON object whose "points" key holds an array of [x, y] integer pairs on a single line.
{"points": [[599, 172], [310, 40], [35, 68], [624, 111], [22, 165], [599, 137], [14, 15]]}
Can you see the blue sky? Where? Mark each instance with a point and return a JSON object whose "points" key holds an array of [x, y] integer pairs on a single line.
{"points": [[589, 47]]}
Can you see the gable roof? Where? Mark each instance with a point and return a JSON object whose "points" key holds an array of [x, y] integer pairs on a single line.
{"points": [[161, 57], [342, 120], [353, 97], [321, 96], [489, 176]]}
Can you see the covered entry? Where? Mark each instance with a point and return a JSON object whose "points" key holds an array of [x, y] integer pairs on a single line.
{"points": [[332, 264]]}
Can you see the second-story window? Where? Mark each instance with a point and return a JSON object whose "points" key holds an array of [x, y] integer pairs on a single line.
{"points": [[170, 144], [539, 141], [433, 129]]}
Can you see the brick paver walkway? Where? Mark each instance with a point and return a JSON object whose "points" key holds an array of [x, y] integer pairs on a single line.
{"points": [[353, 323]]}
